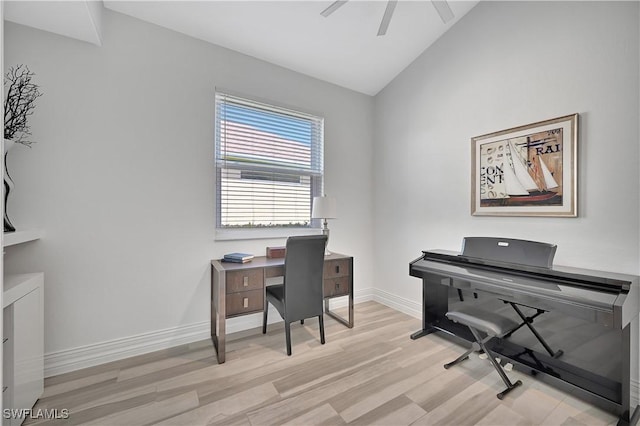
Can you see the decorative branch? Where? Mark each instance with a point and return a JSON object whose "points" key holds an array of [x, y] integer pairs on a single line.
{"points": [[19, 103]]}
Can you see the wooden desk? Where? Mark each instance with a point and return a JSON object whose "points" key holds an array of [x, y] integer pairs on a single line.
{"points": [[239, 289]]}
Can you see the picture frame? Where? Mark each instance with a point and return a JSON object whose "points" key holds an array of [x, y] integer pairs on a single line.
{"points": [[529, 170]]}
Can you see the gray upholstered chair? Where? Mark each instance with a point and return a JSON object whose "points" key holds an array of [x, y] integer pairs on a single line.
{"points": [[300, 296]]}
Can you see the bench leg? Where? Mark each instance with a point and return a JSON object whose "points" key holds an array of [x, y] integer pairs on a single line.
{"points": [[498, 367], [474, 347], [459, 359]]}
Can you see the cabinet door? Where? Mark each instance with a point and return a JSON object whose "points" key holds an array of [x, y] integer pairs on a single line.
{"points": [[7, 362], [28, 349]]}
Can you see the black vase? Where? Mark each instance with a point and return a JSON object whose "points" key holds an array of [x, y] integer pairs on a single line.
{"points": [[8, 186]]}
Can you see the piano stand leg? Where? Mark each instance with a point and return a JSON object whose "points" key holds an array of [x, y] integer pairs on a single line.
{"points": [[422, 333], [634, 420]]}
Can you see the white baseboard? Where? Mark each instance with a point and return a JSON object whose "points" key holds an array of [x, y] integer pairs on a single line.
{"points": [[409, 307], [100, 353], [91, 355], [73, 359]]}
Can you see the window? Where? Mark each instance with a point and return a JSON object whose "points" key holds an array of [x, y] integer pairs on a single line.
{"points": [[269, 164]]}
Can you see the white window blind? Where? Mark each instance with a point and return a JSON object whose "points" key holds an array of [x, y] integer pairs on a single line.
{"points": [[269, 164]]}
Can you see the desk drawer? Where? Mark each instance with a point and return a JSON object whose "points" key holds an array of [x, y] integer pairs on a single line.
{"points": [[245, 280], [245, 302], [336, 286], [274, 271], [336, 268]]}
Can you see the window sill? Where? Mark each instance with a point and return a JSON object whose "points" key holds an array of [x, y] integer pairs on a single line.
{"points": [[258, 234]]}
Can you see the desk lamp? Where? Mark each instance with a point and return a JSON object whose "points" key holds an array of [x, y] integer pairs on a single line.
{"points": [[324, 208]]}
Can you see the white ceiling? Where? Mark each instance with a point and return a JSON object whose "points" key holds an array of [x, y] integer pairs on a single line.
{"points": [[75, 19], [342, 48]]}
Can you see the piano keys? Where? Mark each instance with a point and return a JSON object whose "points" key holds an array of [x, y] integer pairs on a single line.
{"points": [[589, 317]]}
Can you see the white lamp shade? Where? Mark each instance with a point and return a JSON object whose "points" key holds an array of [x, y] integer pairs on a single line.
{"points": [[323, 208]]}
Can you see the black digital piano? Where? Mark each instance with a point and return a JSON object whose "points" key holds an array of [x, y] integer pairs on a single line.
{"points": [[578, 327]]}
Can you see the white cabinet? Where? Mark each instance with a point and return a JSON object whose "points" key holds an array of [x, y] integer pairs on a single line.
{"points": [[23, 342]]}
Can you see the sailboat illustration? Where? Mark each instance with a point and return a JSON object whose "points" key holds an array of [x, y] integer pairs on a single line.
{"points": [[519, 185]]}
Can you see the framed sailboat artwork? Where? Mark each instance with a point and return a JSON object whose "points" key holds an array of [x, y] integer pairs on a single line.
{"points": [[526, 171]]}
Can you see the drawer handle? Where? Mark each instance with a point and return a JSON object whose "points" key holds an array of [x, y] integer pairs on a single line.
{"points": [[245, 281], [245, 302]]}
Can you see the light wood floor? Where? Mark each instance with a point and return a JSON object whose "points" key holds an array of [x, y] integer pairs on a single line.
{"points": [[371, 374]]}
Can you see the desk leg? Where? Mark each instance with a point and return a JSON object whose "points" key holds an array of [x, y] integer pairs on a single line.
{"points": [[348, 323], [218, 312]]}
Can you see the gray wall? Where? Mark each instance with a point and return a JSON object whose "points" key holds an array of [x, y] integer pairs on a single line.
{"points": [[506, 64], [122, 176]]}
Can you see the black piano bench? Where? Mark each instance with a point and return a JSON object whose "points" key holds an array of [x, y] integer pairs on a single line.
{"points": [[493, 325]]}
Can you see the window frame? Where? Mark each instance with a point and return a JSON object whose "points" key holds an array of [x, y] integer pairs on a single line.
{"points": [[239, 233]]}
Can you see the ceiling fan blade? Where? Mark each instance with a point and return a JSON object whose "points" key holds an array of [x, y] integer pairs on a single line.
{"points": [[388, 13], [443, 9], [333, 7]]}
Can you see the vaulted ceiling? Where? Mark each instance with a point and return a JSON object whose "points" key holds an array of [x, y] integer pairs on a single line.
{"points": [[342, 48]]}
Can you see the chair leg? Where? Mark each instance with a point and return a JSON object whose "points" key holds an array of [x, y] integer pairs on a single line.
{"points": [[264, 317], [321, 321], [287, 330]]}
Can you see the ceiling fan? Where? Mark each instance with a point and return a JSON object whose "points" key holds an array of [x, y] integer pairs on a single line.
{"points": [[441, 6]]}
